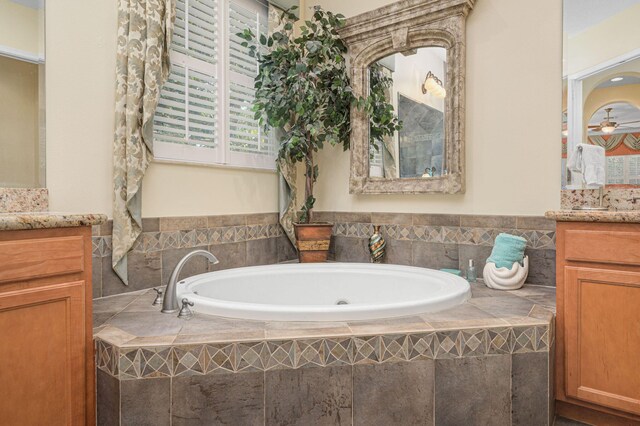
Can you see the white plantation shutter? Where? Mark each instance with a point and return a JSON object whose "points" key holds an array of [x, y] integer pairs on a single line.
{"points": [[205, 110], [248, 142], [375, 161], [202, 41], [188, 109], [203, 95], [169, 121]]}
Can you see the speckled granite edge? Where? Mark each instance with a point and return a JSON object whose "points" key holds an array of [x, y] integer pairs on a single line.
{"points": [[594, 216], [624, 199], [45, 220], [24, 200]]}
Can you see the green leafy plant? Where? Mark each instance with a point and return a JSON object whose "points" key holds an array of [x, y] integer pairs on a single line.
{"points": [[303, 88], [383, 120]]}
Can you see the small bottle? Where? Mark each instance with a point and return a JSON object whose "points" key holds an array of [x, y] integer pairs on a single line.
{"points": [[472, 275]]}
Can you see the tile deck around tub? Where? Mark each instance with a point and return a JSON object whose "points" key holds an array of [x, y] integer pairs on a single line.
{"points": [[134, 340]]}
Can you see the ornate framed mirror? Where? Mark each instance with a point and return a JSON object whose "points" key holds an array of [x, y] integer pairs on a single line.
{"points": [[418, 48]]}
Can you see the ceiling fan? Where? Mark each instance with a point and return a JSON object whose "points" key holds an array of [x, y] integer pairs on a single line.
{"points": [[608, 125]]}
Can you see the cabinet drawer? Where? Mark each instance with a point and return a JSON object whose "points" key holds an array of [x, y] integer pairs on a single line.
{"points": [[42, 257], [616, 247]]}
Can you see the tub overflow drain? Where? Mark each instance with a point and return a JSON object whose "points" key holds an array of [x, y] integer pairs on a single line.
{"points": [[342, 302]]}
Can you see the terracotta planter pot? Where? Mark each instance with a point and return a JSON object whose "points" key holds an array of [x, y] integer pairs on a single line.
{"points": [[313, 241]]}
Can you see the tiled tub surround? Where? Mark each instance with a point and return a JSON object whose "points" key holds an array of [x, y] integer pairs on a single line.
{"points": [[484, 362], [236, 240], [443, 241], [431, 241]]}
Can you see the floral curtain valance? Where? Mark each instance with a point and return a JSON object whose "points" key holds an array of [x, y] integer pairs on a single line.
{"points": [[632, 141], [145, 28], [608, 143]]}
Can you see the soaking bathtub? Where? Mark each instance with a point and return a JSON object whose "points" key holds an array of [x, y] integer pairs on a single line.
{"points": [[323, 292]]}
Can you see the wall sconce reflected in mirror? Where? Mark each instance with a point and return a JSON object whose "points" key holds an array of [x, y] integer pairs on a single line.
{"points": [[433, 85]]}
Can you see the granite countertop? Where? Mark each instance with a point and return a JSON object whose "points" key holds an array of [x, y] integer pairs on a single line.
{"points": [[630, 216], [130, 320], [44, 220]]}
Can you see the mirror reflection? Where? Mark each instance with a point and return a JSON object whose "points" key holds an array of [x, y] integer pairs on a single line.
{"points": [[415, 83], [22, 106], [601, 90], [616, 128]]}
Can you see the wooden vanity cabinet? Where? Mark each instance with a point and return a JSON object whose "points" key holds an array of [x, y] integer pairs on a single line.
{"points": [[598, 322], [46, 342]]}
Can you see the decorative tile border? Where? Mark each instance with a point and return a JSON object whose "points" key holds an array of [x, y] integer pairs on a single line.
{"points": [[209, 358], [212, 235], [537, 239], [167, 240]]}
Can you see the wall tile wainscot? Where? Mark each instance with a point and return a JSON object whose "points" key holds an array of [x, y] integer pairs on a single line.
{"points": [[427, 240]]}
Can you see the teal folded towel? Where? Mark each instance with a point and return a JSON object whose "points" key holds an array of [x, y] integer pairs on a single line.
{"points": [[452, 271], [507, 250]]}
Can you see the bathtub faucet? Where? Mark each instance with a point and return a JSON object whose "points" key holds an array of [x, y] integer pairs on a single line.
{"points": [[170, 302]]}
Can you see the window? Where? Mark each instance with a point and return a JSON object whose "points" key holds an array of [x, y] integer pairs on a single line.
{"points": [[623, 169], [205, 110], [615, 170], [633, 170]]}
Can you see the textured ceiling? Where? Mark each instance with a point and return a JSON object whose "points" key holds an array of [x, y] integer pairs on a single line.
{"points": [[622, 112], [34, 4], [582, 14]]}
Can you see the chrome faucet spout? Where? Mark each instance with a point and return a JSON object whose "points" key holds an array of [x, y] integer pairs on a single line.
{"points": [[170, 301]]}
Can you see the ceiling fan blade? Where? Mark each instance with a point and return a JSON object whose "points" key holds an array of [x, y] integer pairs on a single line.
{"points": [[629, 122], [594, 127]]}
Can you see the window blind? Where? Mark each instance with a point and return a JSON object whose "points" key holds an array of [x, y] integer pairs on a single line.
{"points": [[633, 169], [187, 112], [615, 170], [207, 103], [245, 134]]}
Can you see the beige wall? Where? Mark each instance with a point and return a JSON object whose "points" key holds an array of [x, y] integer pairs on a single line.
{"points": [[513, 117], [19, 104], [607, 40], [20, 28], [514, 66], [81, 45]]}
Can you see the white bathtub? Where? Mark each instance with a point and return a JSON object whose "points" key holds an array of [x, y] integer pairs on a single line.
{"points": [[323, 292]]}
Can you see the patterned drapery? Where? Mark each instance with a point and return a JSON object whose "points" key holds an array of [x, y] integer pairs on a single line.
{"points": [[145, 28], [608, 144], [287, 172], [287, 198]]}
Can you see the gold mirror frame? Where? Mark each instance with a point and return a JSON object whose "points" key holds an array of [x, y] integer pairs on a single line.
{"points": [[399, 27]]}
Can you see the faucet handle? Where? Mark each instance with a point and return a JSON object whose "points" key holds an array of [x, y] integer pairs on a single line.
{"points": [[159, 296], [185, 312]]}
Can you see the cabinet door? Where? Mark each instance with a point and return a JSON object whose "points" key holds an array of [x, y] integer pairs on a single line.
{"points": [[602, 335], [42, 356]]}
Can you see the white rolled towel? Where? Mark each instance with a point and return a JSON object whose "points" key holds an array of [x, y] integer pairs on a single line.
{"points": [[505, 278]]}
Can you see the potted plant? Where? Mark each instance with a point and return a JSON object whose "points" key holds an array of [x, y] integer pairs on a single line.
{"points": [[303, 89]]}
